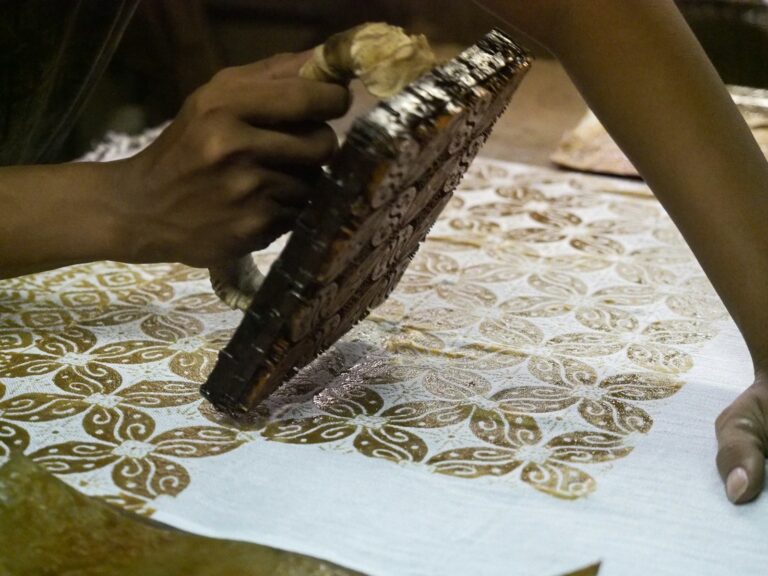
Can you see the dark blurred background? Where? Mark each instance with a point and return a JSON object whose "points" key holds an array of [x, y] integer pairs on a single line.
{"points": [[173, 46]]}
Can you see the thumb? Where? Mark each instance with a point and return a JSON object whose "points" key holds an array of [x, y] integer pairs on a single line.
{"points": [[741, 433]]}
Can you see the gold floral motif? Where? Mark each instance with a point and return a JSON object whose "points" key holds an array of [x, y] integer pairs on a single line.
{"points": [[15, 338], [142, 462], [607, 404], [482, 175], [77, 347], [516, 333], [532, 202], [417, 355], [437, 319], [13, 438], [81, 291], [193, 357], [377, 432], [651, 266], [696, 299], [549, 466], [392, 311], [590, 237], [530, 261], [431, 271], [577, 238], [601, 310], [93, 390], [585, 344], [475, 228], [487, 414], [151, 306]]}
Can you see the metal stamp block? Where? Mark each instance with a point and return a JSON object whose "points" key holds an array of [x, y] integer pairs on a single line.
{"points": [[383, 192]]}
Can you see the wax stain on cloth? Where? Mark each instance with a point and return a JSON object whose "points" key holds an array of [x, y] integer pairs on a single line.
{"points": [[47, 527]]}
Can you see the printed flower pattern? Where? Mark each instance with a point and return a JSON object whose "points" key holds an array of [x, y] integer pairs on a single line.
{"points": [[142, 463], [13, 438], [77, 349], [551, 466], [376, 431], [94, 391], [608, 404], [463, 287], [159, 316], [604, 310]]}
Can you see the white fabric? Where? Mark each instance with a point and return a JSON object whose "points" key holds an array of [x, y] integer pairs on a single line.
{"points": [[560, 292]]}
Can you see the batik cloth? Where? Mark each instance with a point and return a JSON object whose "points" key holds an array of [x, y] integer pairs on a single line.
{"points": [[538, 394]]}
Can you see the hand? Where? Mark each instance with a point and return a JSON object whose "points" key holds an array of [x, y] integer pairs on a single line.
{"points": [[233, 170], [742, 436]]}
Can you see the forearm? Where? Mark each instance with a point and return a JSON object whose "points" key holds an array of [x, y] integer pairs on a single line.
{"points": [[646, 77], [56, 215]]}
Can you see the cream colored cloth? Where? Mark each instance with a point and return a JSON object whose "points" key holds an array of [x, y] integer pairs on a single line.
{"points": [[537, 395], [590, 148]]}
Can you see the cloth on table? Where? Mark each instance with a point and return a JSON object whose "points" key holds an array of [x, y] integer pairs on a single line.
{"points": [[536, 396]]}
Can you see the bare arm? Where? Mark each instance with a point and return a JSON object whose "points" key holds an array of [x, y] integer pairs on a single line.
{"points": [[645, 76], [233, 169], [53, 216]]}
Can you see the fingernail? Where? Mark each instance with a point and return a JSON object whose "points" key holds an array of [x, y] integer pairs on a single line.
{"points": [[736, 484]]}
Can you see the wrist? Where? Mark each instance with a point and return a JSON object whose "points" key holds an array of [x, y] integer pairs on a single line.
{"points": [[96, 216], [761, 371], [132, 233], [758, 349], [112, 234]]}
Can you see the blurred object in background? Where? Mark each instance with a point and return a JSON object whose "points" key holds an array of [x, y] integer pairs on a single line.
{"points": [[173, 46], [735, 35], [167, 51], [51, 56]]}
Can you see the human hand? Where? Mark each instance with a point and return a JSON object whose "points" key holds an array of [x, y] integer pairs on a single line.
{"points": [[742, 437], [233, 170]]}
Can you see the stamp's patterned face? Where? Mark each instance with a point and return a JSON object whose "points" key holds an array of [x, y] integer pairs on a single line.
{"points": [[499, 358], [383, 192]]}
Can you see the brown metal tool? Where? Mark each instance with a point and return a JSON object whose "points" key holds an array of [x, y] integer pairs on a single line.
{"points": [[378, 199]]}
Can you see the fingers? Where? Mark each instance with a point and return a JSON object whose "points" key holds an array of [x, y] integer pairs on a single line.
{"points": [[261, 228], [741, 433], [266, 101], [250, 187], [293, 100], [287, 191], [314, 146], [285, 65], [221, 138]]}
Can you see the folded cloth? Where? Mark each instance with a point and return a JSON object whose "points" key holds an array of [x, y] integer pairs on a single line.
{"points": [[537, 395]]}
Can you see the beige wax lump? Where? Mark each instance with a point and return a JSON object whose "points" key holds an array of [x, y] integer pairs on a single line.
{"points": [[384, 57]]}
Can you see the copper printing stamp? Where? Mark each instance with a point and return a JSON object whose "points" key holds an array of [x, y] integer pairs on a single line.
{"points": [[376, 202]]}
